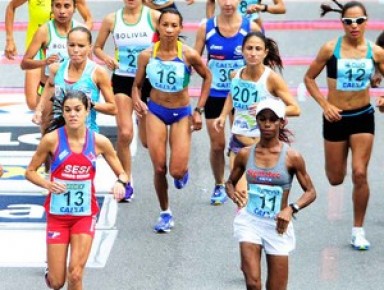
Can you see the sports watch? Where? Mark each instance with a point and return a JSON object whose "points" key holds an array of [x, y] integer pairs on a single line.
{"points": [[295, 207], [200, 110]]}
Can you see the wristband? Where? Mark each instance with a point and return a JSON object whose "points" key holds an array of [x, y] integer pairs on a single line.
{"points": [[122, 182], [265, 8]]}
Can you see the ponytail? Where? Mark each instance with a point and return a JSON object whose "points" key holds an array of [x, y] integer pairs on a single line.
{"points": [[325, 8]]}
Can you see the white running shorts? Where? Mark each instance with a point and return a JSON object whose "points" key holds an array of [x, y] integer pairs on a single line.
{"points": [[262, 231]]}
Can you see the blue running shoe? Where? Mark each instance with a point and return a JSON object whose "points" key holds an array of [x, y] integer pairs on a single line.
{"points": [[180, 183], [219, 196], [128, 192], [164, 224]]}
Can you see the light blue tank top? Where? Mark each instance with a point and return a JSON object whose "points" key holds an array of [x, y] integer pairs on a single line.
{"points": [[170, 76], [84, 84], [353, 74]]}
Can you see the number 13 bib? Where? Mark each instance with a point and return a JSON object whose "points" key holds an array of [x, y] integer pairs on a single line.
{"points": [[76, 201]]}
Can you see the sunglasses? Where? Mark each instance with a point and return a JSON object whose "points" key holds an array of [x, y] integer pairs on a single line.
{"points": [[349, 21]]}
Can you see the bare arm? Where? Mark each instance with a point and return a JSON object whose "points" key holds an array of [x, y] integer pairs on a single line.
{"points": [[296, 164], [105, 147], [210, 8], [237, 172], [138, 105], [379, 58], [85, 13], [44, 105], [10, 46], [278, 7], [219, 122], [46, 147], [103, 82], [199, 66], [300, 170], [200, 39], [331, 113], [98, 48], [313, 71], [279, 88], [39, 41]]}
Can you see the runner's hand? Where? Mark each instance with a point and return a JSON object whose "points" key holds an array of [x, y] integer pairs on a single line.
{"points": [[56, 187], [282, 220], [219, 124], [37, 118], [10, 50], [111, 63], [332, 113], [118, 191], [140, 108], [197, 124]]}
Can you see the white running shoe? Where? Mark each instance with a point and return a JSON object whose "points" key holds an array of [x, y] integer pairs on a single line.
{"points": [[358, 241]]}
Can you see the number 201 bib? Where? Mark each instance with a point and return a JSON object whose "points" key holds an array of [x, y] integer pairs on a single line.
{"points": [[76, 201], [264, 200]]}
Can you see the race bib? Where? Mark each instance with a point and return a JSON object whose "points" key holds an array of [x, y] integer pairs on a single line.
{"points": [[244, 93], [221, 72], [353, 74], [264, 200], [76, 201], [166, 76], [242, 8], [160, 2], [128, 59]]}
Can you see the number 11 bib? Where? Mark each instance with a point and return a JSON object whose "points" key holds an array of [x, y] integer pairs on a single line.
{"points": [[264, 200]]}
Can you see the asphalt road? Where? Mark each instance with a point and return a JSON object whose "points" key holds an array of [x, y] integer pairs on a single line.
{"points": [[201, 253]]}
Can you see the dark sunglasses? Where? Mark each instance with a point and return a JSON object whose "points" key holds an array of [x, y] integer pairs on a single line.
{"points": [[349, 21]]}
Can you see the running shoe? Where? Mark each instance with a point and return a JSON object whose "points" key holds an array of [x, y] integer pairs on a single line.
{"points": [[164, 224], [180, 183], [358, 241], [46, 278], [129, 192], [219, 196]]}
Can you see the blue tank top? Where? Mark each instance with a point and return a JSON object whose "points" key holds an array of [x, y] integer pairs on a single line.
{"points": [[267, 185], [224, 55], [350, 74], [84, 84], [170, 76]]}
